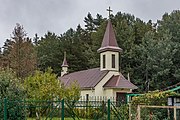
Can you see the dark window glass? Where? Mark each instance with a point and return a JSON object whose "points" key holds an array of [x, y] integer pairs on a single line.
{"points": [[113, 61], [104, 61], [87, 97]]}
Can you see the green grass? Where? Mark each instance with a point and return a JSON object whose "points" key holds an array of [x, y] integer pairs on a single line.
{"points": [[49, 119], [54, 119]]}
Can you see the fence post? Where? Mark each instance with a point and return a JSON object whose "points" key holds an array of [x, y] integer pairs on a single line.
{"points": [[62, 109], [175, 113], [129, 111], [138, 112], [109, 110], [5, 108]]}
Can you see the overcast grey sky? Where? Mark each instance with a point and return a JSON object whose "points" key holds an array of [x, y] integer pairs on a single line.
{"points": [[40, 16]]}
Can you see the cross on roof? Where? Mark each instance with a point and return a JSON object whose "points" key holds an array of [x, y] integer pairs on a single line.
{"points": [[109, 10], [65, 54]]}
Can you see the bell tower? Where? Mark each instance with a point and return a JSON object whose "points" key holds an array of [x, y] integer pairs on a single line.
{"points": [[109, 50], [64, 66]]}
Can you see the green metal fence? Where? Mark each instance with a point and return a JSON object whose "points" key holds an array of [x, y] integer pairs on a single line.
{"points": [[60, 110]]}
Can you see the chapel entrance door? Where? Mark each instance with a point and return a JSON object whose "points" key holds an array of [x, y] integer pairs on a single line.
{"points": [[121, 97]]}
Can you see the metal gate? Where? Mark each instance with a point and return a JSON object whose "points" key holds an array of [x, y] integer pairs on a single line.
{"points": [[59, 110]]}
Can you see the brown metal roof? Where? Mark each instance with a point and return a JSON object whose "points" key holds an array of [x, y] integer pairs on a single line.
{"points": [[171, 87], [87, 79], [109, 41], [119, 82]]}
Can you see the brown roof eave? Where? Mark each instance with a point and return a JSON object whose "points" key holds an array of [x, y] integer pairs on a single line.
{"points": [[87, 88], [109, 48], [120, 87]]}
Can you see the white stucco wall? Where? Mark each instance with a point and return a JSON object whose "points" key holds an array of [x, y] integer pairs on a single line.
{"points": [[90, 92], [99, 90], [108, 93], [108, 61]]}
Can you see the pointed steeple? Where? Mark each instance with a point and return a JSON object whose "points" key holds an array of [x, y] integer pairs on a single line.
{"points": [[64, 66], [128, 77], [109, 50], [109, 42]]}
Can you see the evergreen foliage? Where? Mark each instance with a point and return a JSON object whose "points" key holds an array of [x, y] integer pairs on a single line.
{"points": [[19, 53], [150, 50], [10, 89]]}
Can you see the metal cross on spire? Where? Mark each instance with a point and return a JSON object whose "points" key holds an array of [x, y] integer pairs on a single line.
{"points": [[64, 54], [109, 10]]}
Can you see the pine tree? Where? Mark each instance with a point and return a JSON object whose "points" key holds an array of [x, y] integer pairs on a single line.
{"points": [[20, 53]]}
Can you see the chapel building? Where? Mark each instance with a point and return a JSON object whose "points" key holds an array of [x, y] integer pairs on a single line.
{"points": [[107, 80]]}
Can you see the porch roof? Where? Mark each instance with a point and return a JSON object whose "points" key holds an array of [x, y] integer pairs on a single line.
{"points": [[119, 81]]}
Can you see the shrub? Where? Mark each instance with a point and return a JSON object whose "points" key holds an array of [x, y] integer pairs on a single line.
{"points": [[11, 89]]}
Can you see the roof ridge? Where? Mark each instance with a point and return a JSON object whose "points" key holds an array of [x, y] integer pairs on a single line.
{"points": [[118, 80], [102, 78], [83, 70]]}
